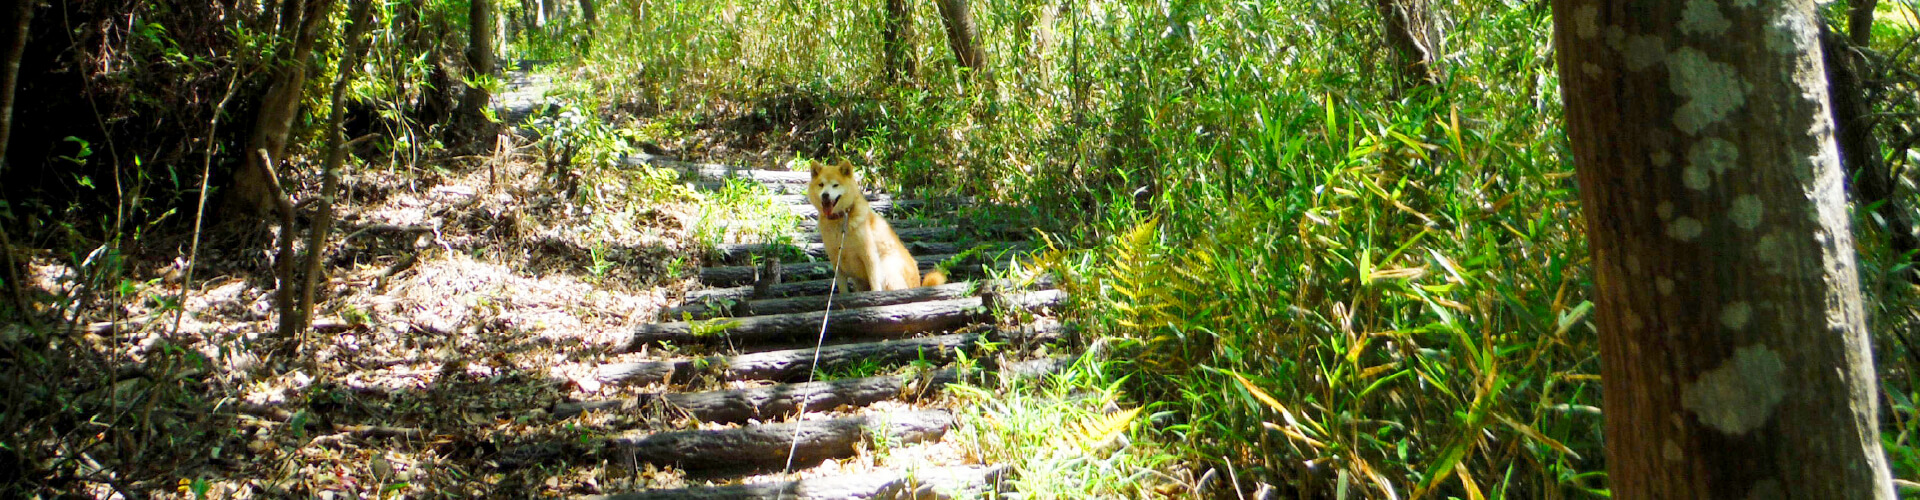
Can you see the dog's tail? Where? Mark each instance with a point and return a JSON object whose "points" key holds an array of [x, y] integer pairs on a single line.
{"points": [[934, 278]]}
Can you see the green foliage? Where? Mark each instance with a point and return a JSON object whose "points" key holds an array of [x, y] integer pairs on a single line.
{"points": [[1300, 268], [570, 136], [712, 327], [1065, 437], [744, 209]]}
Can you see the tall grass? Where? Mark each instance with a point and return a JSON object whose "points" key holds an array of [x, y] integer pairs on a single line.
{"points": [[1303, 275]]}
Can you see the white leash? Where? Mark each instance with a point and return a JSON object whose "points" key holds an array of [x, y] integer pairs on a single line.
{"points": [[814, 367]]}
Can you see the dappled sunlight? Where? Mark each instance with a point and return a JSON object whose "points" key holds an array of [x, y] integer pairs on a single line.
{"points": [[1250, 249]]}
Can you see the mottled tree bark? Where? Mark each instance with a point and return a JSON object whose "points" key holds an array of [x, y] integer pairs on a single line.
{"points": [[962, 34], [480, 59], [1853, 123], [360, 17], [1733, 350], [1860, 22], [1411, 28], [253, 195], [896, 40]]}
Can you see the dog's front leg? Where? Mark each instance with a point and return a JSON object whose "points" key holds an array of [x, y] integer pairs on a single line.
{"points": [[878, 272]]}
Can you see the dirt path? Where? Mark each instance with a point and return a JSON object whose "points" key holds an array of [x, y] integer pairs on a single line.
{"points": [[770, 339], [742, 403]]}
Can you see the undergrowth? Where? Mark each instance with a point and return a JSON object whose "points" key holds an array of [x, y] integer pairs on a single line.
{"points": [[1289, 274], [1308, 279]]}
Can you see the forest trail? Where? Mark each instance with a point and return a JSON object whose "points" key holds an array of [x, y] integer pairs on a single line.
{"points": [[760, 411]]}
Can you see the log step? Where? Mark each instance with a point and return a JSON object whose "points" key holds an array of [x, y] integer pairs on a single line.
{"points": [[736, 253], [710, 309], [794, 364], [813, 225], [940, 483], [819, 287], [873, 321], [736, 275], [823, 269], [777, 401], [716, 172], [907, 229], [887, 207], [927, 233], [781, 400], [765, 447], [800, 198], [776, 189]]}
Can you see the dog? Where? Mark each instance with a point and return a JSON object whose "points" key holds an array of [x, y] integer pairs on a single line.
{"points": [[861, 245]]}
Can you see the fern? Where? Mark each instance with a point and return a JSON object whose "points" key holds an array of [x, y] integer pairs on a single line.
{"points": [[1101, 431], [1150, 295], [1138, 276]]}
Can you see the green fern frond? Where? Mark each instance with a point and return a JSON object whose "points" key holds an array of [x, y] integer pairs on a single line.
{"points": [[1101, 431]]}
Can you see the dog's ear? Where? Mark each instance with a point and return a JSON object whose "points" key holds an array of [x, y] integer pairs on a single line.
{"points": [[846, 168], [814, 167]]}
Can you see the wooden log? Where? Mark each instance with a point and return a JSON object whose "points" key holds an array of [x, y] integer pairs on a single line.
{"points": [[782, 400], [813, 225], [713, 309], [777, 401], [822, 269], [739, 253], [774, 188], [764, 447], [862, 322], [931, 233], [940, 483], [908, 229], [790, 364], [800, 198], [794, 364], [798, 271], [795, 195], [888, 208], [716, 172], [819, 287]]}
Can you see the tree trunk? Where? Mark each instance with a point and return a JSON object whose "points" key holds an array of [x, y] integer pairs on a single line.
{"points": [[479, 57], [962, 34], [587, 13], [896, 41], [253, 196], [1733, 350], [1870, 179], [16, 42], [360, 17], [1411, 28], [1860, 22]]}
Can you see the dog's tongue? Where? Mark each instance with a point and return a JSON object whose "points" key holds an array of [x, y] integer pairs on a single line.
{"points": [[826, 201]]}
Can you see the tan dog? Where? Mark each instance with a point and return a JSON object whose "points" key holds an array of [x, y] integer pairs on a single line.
{"points": [[860, 243]]}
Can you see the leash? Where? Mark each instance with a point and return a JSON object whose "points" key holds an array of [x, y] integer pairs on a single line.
{"points": [[814, 367]]}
